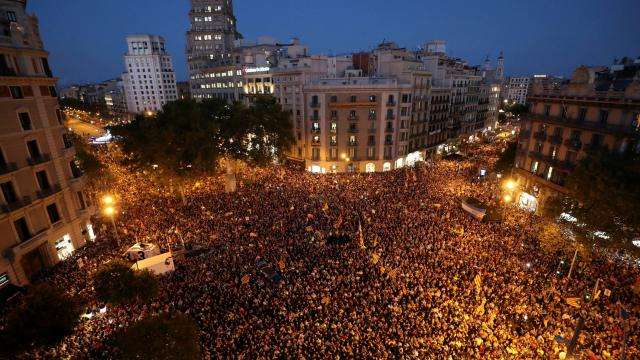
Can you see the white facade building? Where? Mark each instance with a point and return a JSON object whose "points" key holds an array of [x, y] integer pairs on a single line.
{"points": [[149, 79], [517, 89]]}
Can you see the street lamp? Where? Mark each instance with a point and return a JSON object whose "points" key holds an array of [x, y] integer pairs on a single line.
{"points": [[510, 185], [508, 198], [110, 211]]}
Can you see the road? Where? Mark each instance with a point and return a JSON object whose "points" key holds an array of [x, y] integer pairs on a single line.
{"points": [[84, 129]]}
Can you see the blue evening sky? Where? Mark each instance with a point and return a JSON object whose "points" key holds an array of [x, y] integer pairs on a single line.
{"points": [[86, 37]]}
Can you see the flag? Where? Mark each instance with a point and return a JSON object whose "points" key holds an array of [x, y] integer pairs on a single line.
{"points": [[375, 258], [596, 296], [480, 308], [325, 300], [361, 236], [325, 207], [607, 292], [575, 302], [478, 282], [246, 278], [281, 264]]}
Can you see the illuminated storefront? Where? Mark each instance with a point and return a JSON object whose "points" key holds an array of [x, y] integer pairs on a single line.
{"points": [[64, 247], [528, 202]]}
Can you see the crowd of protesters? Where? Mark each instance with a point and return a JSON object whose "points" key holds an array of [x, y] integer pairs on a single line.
{"points": [[419, 278]]}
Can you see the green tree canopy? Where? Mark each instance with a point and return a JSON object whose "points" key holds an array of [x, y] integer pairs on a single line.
{"points": [[189, 138], [44, 317], [163, 337], [115, 282], [604, 195], [507, 159]]}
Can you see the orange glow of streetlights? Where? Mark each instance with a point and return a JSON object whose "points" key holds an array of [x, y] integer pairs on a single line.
{"points": [[508, 198], [510, 185], [109, 211], [108, 199]]}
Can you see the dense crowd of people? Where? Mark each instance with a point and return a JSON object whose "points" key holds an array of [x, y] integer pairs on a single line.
{"points": [[420, 278]]}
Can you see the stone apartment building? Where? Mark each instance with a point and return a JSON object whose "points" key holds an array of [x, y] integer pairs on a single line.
{"points": [[598, 108], [44, 212]]}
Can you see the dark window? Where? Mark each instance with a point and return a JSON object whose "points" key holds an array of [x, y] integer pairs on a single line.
{"points": [[604, 116], [334, 99], [582, 115], [25, 121], [391, 100], [564, 112], [11, 16], [16, 92], [54, 215], [354, 98], [372, 98], [75, 170], [3, 161], [9, 192], [81, 200], [53, 91], [47, 69], [43, 180], [34, 150], [22, 229], [547, 110], [60, 116]]}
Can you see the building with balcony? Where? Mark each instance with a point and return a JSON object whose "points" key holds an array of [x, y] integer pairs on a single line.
{"points": [[44, 212], [149, 78], [599, 108]]}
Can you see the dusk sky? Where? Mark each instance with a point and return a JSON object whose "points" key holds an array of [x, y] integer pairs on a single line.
{"points": [[86, 38]]}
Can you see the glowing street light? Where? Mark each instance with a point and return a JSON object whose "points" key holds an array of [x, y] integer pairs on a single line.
{"points": [[110, 212], [510, 185], [508, 198], [108, 200]]}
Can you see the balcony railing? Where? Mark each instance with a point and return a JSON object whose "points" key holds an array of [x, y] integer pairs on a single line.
{"points": [[353, 130], [16, 205], [353, 117], [391, 103], [629, 129], [566, 165], [7, 168], [388, 129], [353, 143], [45, 193], [372, 131], [315, 105], [391, 117], [42, 158]]}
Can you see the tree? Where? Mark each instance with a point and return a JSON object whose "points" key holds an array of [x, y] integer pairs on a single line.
{"points": [[187, 138], [45, 316], [163, 337], [517, 109], [179, 143], [507, 159], [115, 282], [604, 196], [87, 160], [256, 135]]}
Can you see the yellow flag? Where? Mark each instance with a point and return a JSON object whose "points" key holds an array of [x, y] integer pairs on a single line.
{"points": [[575, 302], [478, 281], [375, 258]]}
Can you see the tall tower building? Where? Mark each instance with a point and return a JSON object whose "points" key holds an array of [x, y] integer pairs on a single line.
{"points": [[149, 79], [44, 212], [500, 68], [210, 45]]}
